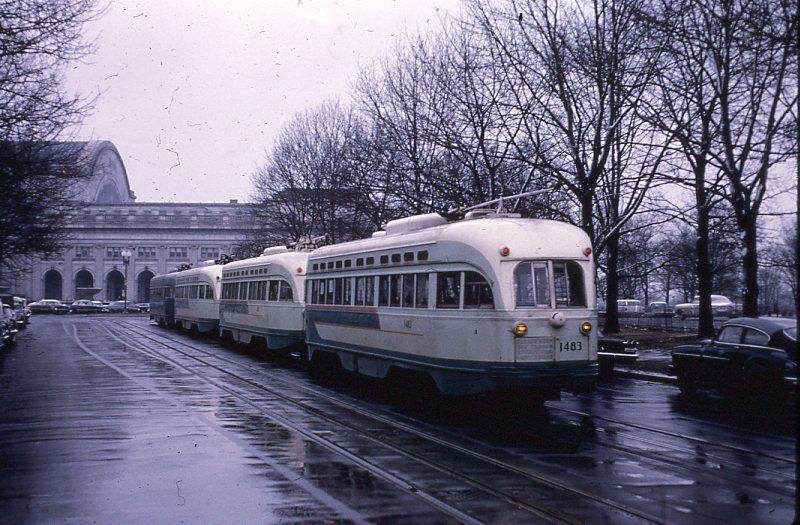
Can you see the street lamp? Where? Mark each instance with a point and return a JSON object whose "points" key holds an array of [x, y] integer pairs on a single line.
{"points": [[126, 258]]}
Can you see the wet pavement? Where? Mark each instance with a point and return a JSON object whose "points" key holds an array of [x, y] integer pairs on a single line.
{"points": [[116, 420]]}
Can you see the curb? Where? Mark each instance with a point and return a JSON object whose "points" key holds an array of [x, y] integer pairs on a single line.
{"points": [[646, 376]]}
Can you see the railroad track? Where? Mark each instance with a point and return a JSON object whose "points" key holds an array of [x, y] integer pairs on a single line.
{"points": [[683, 466], [537, 509], [616, 421]]}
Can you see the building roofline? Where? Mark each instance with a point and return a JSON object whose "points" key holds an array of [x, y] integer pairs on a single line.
{"points": [[154, 203]]}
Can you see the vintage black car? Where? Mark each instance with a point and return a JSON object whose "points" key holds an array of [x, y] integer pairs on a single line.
{"points": [[49, 306], [84, 306], [612, 351], [750, 357]]}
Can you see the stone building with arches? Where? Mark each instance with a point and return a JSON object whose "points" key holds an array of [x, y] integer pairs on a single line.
{"points": [[159, 235]]}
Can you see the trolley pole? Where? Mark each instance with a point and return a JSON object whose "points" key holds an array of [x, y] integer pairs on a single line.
{"points": [[126, 259]]}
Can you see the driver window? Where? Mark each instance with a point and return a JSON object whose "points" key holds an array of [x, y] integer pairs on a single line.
{"points": [[755, 337], [731, 334]]}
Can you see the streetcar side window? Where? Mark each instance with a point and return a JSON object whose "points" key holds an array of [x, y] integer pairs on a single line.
{"points": [[369, 291], [285, 293], [273, 291], [337, 299], [421, 300], [383, 290], [394, 290], [477, 292], [448, 289], [361, 291], [322, 293], [347, 296], [532, 285], [408, 290], [330, 292]]}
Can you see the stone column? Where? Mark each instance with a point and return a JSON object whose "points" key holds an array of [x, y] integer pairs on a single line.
{"points": [[69, 277]]}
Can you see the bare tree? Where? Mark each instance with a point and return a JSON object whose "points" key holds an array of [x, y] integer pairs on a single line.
{"points": [[37, 172], [577, 72], [754, 75], [312, 182], [684, 109], [396, 96]]}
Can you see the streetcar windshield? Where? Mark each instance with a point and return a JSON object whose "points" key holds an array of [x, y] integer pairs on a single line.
{"points": [[534, 280]]}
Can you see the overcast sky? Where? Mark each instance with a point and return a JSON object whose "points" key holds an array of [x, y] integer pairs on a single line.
{"points": [[192, 93]]}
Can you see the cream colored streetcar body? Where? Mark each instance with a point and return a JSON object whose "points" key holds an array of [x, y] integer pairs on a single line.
{"points": [[490, 303], [197, 294], [262, 299]]}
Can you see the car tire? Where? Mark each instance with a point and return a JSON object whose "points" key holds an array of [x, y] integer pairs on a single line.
{"points": [[687, 385]]}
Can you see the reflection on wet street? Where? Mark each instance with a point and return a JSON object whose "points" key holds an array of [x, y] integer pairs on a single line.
{"points": [[117, 420]]}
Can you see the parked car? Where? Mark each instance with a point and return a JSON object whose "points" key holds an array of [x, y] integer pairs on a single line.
{"points": [[49, 306], [8, 326], [750, 356], [629, 307], [611, 350], [143, 307], [101, 306], [85, 306], [659, 309], [119, 307], [720, 306], [23, 312], [19, 311]]}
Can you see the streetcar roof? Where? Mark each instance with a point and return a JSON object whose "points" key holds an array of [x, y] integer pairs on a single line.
{"points": [[526, 238], [210, 272], [288, 260]]}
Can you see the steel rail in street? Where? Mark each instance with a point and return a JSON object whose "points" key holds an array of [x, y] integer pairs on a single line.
{"points": [[137, 330]]}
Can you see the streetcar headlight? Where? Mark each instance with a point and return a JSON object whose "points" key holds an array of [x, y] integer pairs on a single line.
{"points": [[586, 327], [520, 329]]}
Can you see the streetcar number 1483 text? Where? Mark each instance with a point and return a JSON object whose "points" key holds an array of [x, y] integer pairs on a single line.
{"points": [[570, 346]]}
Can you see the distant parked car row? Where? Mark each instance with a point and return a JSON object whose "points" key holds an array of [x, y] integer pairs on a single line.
{"points": [[85, 306], [14, 316], [720, 306]]}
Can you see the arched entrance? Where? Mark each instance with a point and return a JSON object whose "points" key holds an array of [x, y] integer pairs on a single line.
{"points": [[84, 279], [52, 285], [143, 286], [115, 284], [84, 285]]}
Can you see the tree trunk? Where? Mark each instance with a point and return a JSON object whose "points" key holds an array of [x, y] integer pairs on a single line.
{"points": [[750, 305], [612, 285], [705, 327]]}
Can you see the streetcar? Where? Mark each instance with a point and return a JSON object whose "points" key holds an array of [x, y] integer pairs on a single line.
{"points": [[262, 299], [162, 299], [493, 303], [197, 297]]}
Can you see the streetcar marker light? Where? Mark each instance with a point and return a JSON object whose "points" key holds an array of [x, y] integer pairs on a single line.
{"points": [[587, 251], [586, 327], [520, 329], [504, 251]]}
